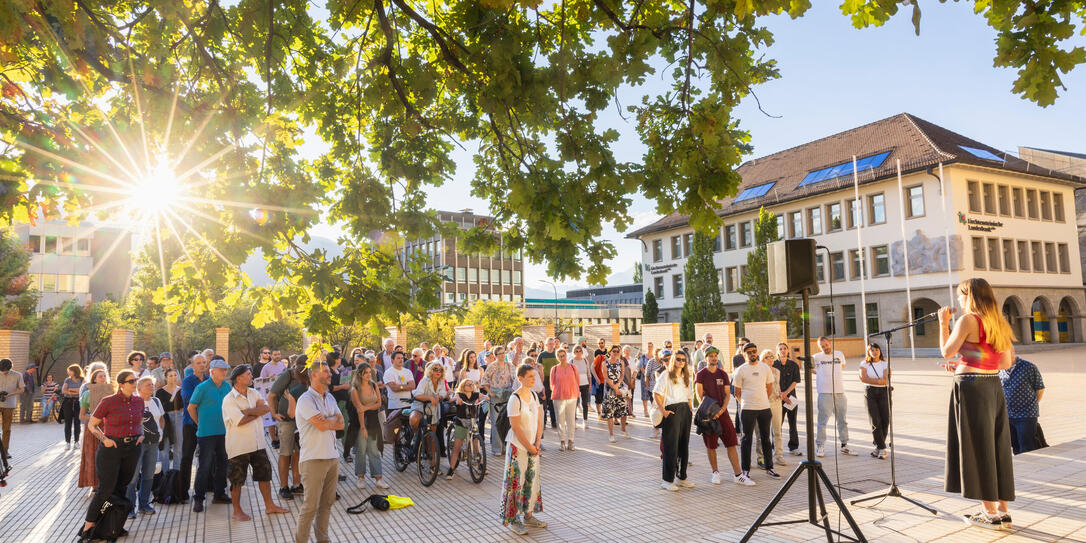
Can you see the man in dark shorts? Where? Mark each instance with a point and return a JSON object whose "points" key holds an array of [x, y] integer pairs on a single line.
{"points": [[712, 382], [242, 412]]}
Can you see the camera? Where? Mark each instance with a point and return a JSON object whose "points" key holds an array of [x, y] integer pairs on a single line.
{"points": [[3, 395]]}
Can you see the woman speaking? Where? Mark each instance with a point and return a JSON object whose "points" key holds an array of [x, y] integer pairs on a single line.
{"points": [[978, 456]]}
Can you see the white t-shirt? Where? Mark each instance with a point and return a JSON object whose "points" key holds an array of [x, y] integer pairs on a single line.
{"points": [[450, 369], [402, 376], [827, 366], [538, 386], [582, 370], [672, 392], [316, 444], [875, 370], [753, 378], [529, 421], [475, 375]]}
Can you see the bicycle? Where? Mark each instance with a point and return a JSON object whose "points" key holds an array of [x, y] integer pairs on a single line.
{"points": [[422, 447], [475, 452]]}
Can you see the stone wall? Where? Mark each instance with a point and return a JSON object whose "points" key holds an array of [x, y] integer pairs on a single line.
{"points": [[658, 333], [222, 343]]}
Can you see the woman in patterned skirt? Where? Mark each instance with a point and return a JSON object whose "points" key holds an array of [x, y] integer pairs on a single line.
{"points": [[615, 393], [521, 495]]}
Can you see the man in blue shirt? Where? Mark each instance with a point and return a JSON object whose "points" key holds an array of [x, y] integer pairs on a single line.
{"points": [[1023, 388], [205, 408], [194, 375]]}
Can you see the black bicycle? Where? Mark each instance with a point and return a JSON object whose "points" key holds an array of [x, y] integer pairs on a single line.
{"points": [[472, 449], [422, 447]]}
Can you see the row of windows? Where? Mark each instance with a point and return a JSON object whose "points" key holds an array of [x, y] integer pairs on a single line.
{"points": [[59, 245], [432, 249], [849, 319], [1017, 202], [60, 282], [452, 297], [996, 254], [813, 221], [485, 276]]}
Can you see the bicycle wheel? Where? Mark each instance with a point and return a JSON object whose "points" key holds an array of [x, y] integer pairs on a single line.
{"points": [[477, 458], [429, 460], [400, 452]]}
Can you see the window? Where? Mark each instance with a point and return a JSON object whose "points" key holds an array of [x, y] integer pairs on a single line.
{"points": [[473, 296], [795, 224], [873, 318], [848, 315], [881, 255], [658, 286], [742, 274], [473, 275], [677, 285], [833, 213], [1057, 206], [837, 266], [1023, 256], [974, 197], [50, 245], [845, 168], [82, 247], [450, 297], [1008, 255], [516, 278], [495, 277], [33, 243], [1038, 257], [994, 252], [978, 253], [754, 192], [461, 274], [463, 296], [729, 237], [857, 264], [855, 213], [731, 279], [676, 248], [1018, 202], [1050, 257], [820, 268], [814, 221], [981, 153], [484, 276], [717, 245], [914, 201], [688, 244], [1004, 193], [1031, 203], [657, 250], [506, 277], [918, 313], [876, 206], [1065, 258], [1046, 205], [830, 327], [988, 194], [779, 221], [746, 237], [49, 282], [720, 279]]}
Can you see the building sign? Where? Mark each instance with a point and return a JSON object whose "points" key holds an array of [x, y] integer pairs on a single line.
{"points": [[660, 268], [979, 225]]}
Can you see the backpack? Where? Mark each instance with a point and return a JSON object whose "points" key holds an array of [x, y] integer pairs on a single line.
{"points": [[111, 519], [378, 501], [501, 421], [167, 487]]}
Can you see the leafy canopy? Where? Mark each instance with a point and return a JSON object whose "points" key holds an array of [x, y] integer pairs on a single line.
{"points": [[95, 93]]}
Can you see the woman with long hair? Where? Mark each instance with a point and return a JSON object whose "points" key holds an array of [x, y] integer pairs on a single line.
{"points": [[876, 375], [978, 452], [170, 398], [69, 404], [366, 399], [468, 368], [673, 397], [96, 388]]}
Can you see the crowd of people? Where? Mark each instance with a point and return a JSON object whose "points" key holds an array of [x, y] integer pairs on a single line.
{"points": [[210, 415]]}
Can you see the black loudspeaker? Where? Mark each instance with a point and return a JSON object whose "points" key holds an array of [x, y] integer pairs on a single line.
{"points": [[791, 266]]}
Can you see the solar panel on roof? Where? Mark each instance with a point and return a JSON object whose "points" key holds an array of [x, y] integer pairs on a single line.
{"points": [[981, 153], [845, 168], [754, 192]]}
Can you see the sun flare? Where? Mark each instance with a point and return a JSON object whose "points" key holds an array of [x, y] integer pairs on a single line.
{"points": [[155, 192]]}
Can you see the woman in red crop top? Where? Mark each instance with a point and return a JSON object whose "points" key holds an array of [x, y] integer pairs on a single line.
{"points": [[978, 455]]}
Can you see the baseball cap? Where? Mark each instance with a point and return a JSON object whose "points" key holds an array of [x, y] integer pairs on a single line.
{"points": [[711, 350], [219, 364], [165, 355]]}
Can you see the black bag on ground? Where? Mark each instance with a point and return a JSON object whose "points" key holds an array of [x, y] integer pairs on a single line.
{"points": [[166, 488], [378, 501], [111, 519]]}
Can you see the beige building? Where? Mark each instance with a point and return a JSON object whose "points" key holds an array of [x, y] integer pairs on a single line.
{"points": [[960, 209]]}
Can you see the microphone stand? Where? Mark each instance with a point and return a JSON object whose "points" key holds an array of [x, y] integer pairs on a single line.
{"points": [[893, 490]]}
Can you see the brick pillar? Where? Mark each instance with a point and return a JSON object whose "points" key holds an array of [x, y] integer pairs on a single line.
{"points": [[15, 345], [723, 338], [658, 333], [766, 335], [537, 333], [609, 332], [468, 337], [121, 343], [398, 336], [222, 343]]}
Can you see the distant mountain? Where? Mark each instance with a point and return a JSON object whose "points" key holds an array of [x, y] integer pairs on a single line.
{"points": [[254, 265]]}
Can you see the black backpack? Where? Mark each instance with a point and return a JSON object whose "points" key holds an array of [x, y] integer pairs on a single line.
{"points": [[111, 519], [167, 487]]}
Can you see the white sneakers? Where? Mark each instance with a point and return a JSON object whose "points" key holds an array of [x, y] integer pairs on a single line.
{"points": [[744, 480], [670, 487], [570, 446], [611, 439], [780, 461], [380, 483], [562, 446], [820, 451], [716, 478], [683, 483], [626, 434], [847, 451]]}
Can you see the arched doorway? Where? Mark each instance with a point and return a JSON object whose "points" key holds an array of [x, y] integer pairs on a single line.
{"points": [[1012, 311], [927, 334], [1065, 321], [1040, 313]]}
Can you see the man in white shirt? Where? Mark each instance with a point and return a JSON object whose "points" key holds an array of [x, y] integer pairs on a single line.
{"points": [[242, 410], [385, 357], [699, 355], [318, 419], [448, 363], [829, 370], [400, 382], [754, 389]]}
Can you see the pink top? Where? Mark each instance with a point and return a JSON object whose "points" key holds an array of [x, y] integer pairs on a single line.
{"points": [[565, 384], [980, 355]]}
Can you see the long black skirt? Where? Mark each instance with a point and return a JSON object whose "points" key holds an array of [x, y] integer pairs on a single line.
{"points": [[978, 452]]}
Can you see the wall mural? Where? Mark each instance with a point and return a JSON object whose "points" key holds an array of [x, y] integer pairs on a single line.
{"points": [[926, 255]]}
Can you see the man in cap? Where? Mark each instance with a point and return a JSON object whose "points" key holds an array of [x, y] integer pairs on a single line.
{"points": [[165, 364]]}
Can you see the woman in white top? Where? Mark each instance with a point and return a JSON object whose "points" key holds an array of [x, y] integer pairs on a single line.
{"points": [[876, 375], [521, 489], [672, 394], [581, 363], [468, 368]]}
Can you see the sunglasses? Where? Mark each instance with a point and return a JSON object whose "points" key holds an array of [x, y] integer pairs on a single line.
{"points": [[265, 352], [139, 358], [128, 381]]}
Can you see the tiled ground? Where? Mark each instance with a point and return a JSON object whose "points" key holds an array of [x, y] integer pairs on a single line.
{"points": [[605, 492]]}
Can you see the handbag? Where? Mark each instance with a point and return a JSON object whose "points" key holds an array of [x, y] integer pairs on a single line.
{"points": [[655, 413]]}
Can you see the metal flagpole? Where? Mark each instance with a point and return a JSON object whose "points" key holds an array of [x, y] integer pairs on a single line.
{"points": [[905, 247], [946, 239], [860, 242]]}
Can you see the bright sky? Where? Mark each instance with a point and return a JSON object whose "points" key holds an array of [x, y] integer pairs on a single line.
{"points": [[835, 77]]}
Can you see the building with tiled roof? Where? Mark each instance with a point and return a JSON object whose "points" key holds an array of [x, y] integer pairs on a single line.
{"points": [[1002, 218]]}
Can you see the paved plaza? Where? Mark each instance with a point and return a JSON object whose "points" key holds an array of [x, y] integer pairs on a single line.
{"points": [[610, 492]]}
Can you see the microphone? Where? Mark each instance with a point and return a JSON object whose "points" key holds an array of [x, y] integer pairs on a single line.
{"points": [[930, 316]]}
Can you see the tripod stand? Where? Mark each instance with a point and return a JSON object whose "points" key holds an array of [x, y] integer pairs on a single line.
{"points": [[893, 490], [810, 466]]}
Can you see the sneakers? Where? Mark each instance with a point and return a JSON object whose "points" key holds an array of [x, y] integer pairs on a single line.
{"points": [[197, 506], [1005, 519], [847, 451], [67, 446], [449, 474], [147, 510], [670, 487], [820, 451], [298, 489], [562, 446], [221, 499], [570, 446], [883, 455], [683, 483], [380, 483], [761, 464], [611, 439], [285, 493], [533, 522], [779, 461], [626, 434], [132, 514], [875, 453], [716, 478], [772, 474], [796, 452], [518, 527], [655, 433], [744, 480], [982, 520]]}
